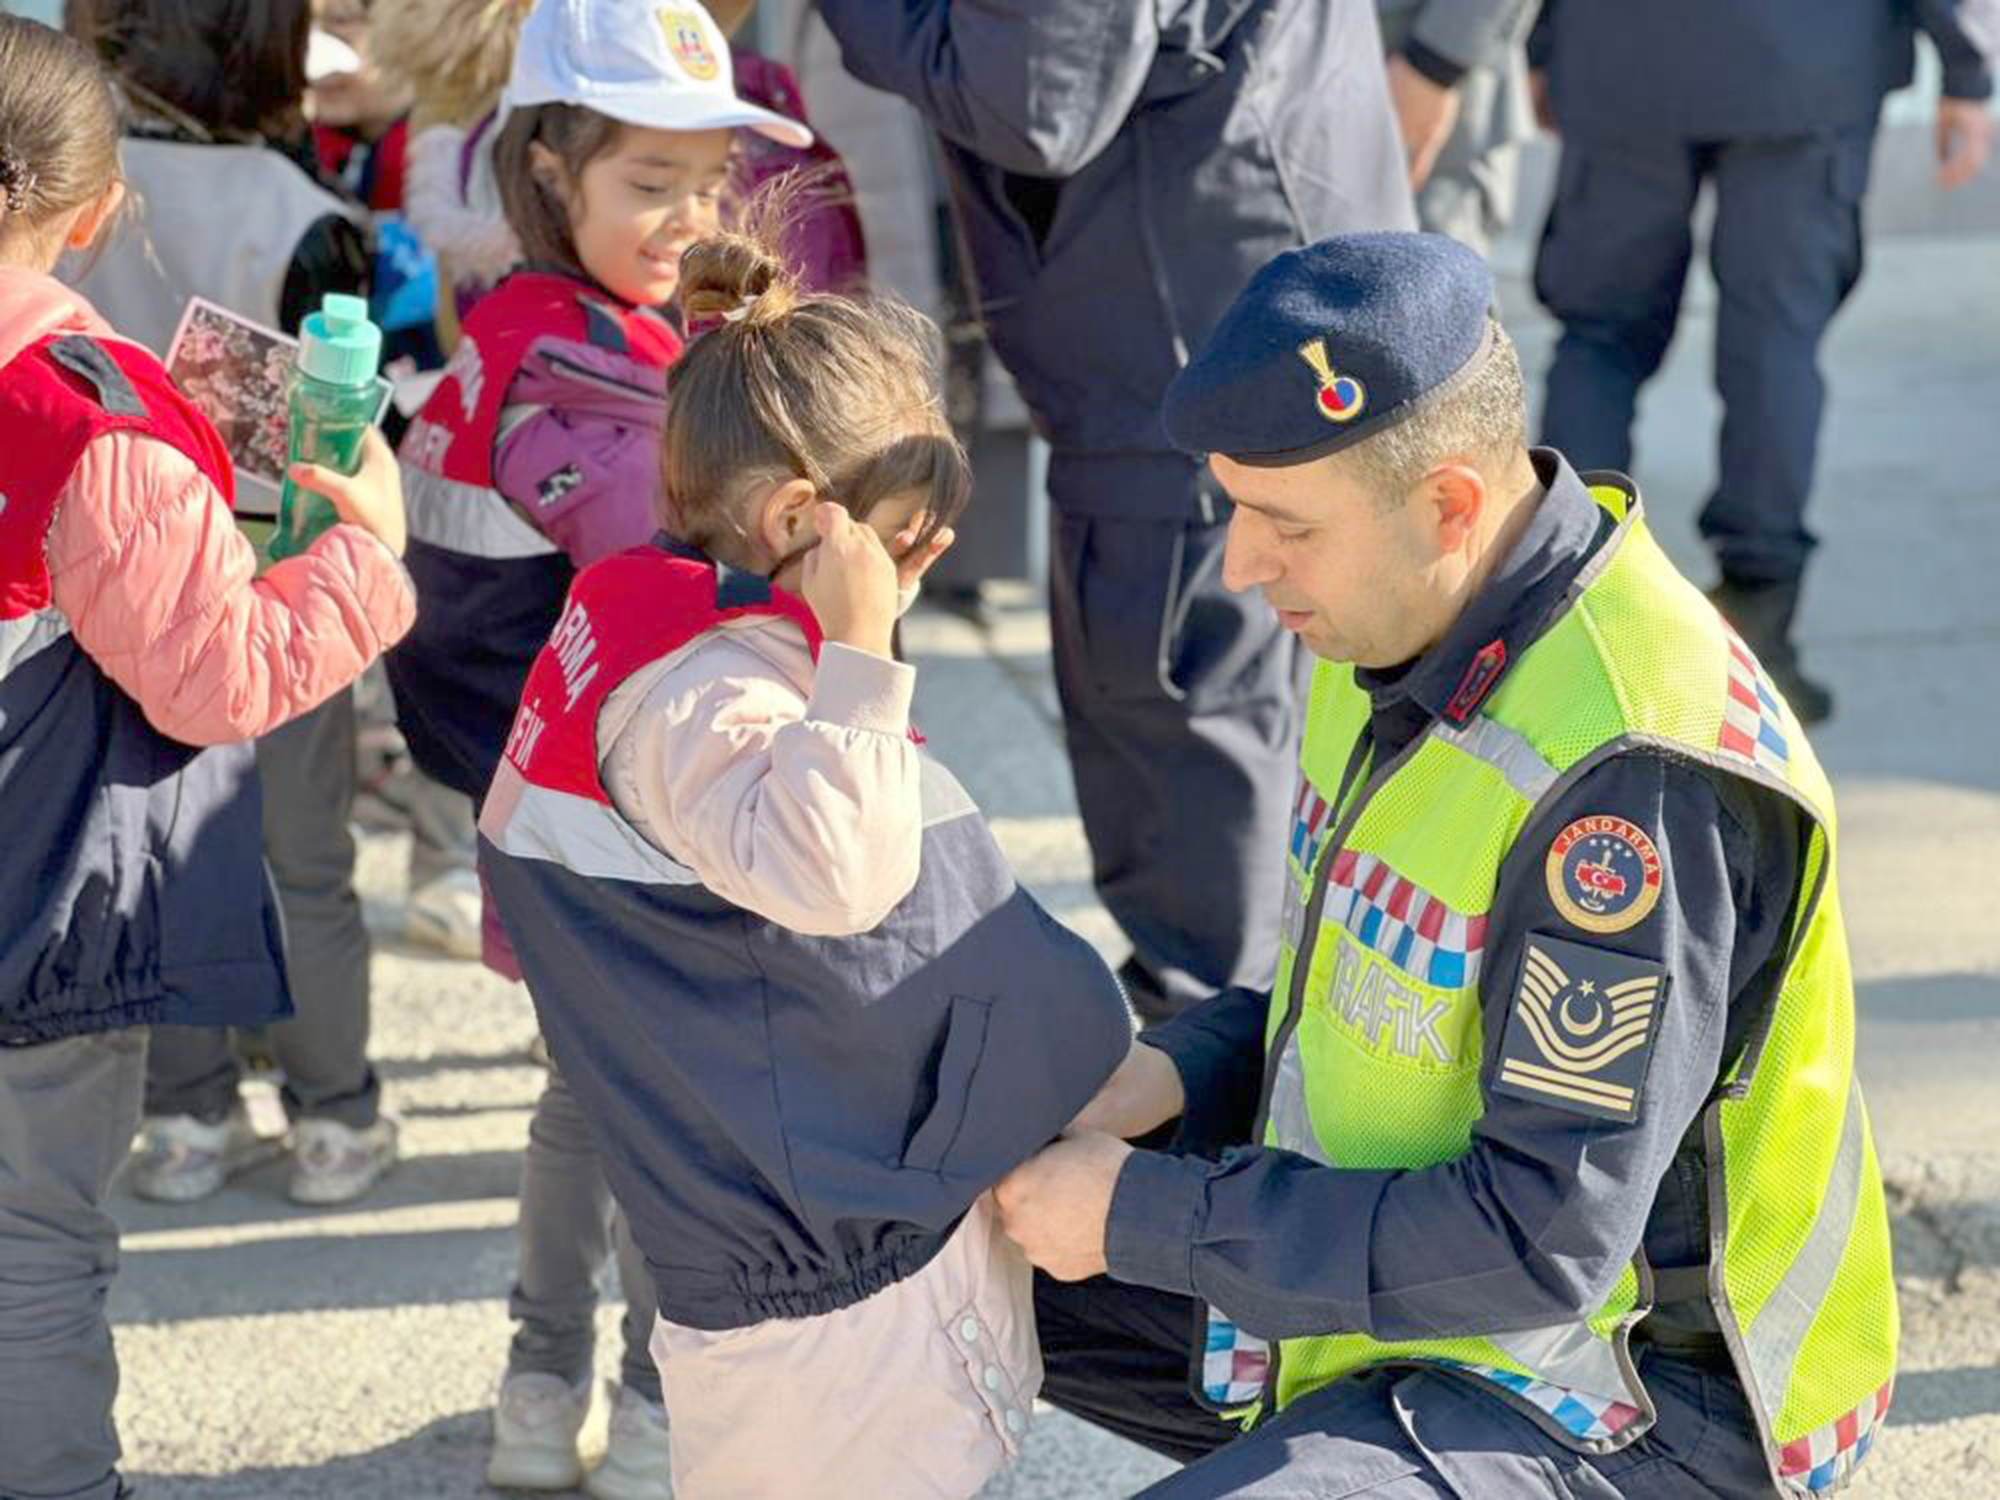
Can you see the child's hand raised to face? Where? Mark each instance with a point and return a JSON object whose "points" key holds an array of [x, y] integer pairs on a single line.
{"points": [[912, 561], [851, 582]]}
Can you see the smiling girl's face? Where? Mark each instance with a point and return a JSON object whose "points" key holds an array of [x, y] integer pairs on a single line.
{"points": [[636, 206]]}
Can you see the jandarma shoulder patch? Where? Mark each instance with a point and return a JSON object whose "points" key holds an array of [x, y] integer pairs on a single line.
{"points": [[1580, 1033], [1604, 873]]}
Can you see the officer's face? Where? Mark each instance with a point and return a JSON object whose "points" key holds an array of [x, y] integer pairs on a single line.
{"points": [[1352, 577]]}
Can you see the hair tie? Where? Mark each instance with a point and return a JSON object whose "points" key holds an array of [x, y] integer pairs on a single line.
{"points": [[16, 180], [742, 309]]}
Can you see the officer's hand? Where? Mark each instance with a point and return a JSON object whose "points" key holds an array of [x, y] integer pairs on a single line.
{"points": [[1538, 98], [1143, 1094], [1054, 1206], [1964, 138], [371, 497], [1425, 111], [912, 561], [849, 580]]}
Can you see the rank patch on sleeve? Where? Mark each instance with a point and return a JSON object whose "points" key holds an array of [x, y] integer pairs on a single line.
{"points": [[1581, 1029]]}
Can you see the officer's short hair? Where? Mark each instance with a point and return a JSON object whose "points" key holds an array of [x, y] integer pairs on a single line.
{"points": [[1485, 420]]}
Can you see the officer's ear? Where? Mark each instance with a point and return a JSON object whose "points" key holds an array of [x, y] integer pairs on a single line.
{"points": [[1454, 496]]}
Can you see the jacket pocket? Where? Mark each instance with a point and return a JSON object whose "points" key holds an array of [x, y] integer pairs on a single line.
{"points": [[964, 1047]]}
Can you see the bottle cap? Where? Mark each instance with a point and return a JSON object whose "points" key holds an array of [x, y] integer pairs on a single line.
{"points": [[338, 344]]}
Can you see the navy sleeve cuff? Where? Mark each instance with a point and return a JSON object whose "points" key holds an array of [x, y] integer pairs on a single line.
{"points": [[1968, 82], [1155, 1208], [1433, 64], [1218, 1049]]}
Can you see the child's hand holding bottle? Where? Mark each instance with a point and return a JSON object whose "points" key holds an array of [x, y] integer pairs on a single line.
{"points": [[851, 582], [371, 497]]}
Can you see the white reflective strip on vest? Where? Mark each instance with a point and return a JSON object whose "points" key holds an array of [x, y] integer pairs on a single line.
{"points": [[944, 800], [1291, 1127], [467, 518], [1507, 752], [1568, 1356], [26, 635], [585, 837], [1775, 1338]]}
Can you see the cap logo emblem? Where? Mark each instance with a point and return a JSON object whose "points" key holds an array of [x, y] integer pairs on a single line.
{"points": [[1341, 397], [687, 39]]}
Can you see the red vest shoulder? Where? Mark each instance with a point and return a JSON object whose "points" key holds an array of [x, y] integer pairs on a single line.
{"points": [[624, 612], [55, 398]]}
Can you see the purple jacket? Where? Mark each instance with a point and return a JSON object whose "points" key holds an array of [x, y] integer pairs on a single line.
{"points": [[580, 450]]}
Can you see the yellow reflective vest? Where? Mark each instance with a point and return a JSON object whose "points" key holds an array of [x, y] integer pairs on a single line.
{"points": [[1376, 1031]]}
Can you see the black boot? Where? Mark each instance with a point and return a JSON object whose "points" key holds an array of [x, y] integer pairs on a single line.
{"points": [[1762, 614]]}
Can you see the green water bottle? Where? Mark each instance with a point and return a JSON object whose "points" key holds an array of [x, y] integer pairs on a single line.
{"points": [[331, 398]]}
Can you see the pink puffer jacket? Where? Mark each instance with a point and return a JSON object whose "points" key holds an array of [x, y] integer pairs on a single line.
{"points": [[160, 589]]}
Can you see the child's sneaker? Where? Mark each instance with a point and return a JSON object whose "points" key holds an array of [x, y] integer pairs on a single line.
{"points": [[636, 1464], [334, 1163], [178, 1159], [535, 1425], [444, 914]]}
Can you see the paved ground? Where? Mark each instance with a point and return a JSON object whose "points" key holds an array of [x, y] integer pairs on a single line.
{"points": [[271, 1352]]}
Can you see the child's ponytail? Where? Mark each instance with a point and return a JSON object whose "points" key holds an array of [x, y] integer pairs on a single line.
{"points": [[735, 277], [843, 393], [58, 126]]}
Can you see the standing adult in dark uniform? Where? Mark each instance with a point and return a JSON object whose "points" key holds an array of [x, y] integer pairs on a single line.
{"points": [[1774, 102], [1121, 167], [1562, 957]]}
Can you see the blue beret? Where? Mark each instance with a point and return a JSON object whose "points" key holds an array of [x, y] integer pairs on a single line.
{"points": [[1330, 344]]}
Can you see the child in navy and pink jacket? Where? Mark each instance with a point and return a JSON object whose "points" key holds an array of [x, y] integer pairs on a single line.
{"points": [[537, 455], [806, 1009], [139, 652]]}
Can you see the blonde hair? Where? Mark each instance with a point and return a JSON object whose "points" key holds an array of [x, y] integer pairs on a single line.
{"points": [[843, 392], [454, 55]]}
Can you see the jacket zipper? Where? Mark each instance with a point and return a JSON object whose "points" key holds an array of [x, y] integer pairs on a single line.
{"points": [[1302, 960]]}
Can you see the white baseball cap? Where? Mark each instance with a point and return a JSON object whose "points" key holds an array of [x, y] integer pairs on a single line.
{"points": [[639, 61]]}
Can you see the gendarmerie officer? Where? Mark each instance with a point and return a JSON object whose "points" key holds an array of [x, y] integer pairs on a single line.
{"points": [[1543, 1162], [1775, 104]]}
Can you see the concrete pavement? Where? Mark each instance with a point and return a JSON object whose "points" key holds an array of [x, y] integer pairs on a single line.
{"points": [[271, 1352]]}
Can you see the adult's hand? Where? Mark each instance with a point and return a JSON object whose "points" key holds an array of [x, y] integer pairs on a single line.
{"points": [[1425, 111], [1964, 140], [1055, 1205], [1141, 1095], [1538, 98]]}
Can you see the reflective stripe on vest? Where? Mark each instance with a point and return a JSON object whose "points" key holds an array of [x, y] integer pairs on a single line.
{"points": [[474, 519], [1376, 1026]]}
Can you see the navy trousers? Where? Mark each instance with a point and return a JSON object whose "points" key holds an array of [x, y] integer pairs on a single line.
{"points": [[1786, 252], [1117, 1356], [1182, 708]]}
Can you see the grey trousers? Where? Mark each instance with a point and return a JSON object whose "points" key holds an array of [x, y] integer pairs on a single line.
{"points": [[307, 768], [569, 1229], [443, 831], [67, 1113]]}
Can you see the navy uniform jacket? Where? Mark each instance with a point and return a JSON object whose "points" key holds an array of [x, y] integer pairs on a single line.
{"points": [[1541, 1214], [1716, 70], [1122, 168]]}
